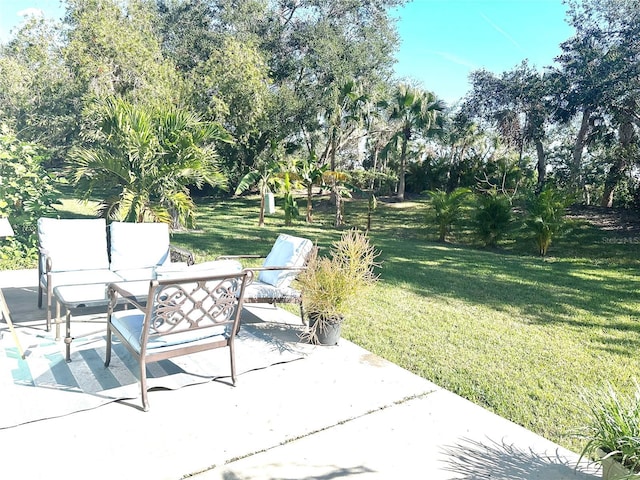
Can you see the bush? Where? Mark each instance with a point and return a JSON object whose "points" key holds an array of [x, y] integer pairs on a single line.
{"points": [[492, 218], [612, 425], [26, 194], [446, 209], [545, 216]]}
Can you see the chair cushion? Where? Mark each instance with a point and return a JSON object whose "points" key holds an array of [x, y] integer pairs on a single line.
{"points": [[138, 245], [263, 292], [287, 251], [130, 322], [135, 274], [215, 267], [81, 277], [74, 244]]}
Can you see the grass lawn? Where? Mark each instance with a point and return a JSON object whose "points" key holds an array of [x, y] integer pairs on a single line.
{"points": [[515, 333]]}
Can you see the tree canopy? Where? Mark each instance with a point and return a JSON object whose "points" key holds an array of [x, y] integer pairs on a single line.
{"points": [[314, 79]]}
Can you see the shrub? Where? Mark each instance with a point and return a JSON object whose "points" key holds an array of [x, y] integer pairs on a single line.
{"points": [[330, 284], [445, 209], [612, 425], [545, 217], [492, 218], [26, 194]]}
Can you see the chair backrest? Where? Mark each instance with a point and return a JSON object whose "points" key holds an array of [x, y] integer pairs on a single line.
{"points": [[74, 244], [287, 251], [138, 245], [181, 311]]}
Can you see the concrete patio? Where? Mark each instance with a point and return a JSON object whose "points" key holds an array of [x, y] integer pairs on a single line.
{"points": [[341, 412]]}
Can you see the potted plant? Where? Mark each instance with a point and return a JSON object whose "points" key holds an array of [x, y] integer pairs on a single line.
{"points": [[330, 284], [612, 431]]}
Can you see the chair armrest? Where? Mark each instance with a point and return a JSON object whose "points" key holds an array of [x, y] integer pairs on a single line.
{"points": [[45, 263], [116, 291], [275, 267], [234, 257], [181, 255]]}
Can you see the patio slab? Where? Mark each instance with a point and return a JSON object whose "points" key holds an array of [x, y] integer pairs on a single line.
{"points": [[341, 411]]}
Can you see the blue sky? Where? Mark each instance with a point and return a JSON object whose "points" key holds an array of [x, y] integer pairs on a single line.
{"points": [[445, 40], [442, 40]]}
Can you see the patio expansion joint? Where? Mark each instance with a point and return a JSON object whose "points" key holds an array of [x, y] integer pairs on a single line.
{"points": [[313, 432]]}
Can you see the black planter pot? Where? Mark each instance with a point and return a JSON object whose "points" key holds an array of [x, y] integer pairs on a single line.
{"points": [[326, 333]]}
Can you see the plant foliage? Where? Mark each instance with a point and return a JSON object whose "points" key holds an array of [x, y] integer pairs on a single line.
{"points": [[546, 217], [27, 193], [330, 283], [148, 156], [492, 218], [612, 425], [446, 209]]}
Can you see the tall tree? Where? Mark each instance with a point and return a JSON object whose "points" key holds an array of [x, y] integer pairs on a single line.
{"points": [[311, 47], [38, 93], [232, 87], [599, 69], [411, 110], [517, 104], [188, 35], [113, 49]]}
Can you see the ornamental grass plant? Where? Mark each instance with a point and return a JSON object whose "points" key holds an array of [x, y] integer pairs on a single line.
{"points": [[330, 283], [612, 428]]}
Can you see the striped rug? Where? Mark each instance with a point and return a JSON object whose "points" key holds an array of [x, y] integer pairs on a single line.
{"points": [[44, 385]]}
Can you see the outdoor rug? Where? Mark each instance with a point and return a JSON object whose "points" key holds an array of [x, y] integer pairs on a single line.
{"points": [[44, 385]]}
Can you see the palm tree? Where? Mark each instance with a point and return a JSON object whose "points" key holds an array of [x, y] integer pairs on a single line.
{"points": [[148, 156], [343, 117], [337, 180], [411, 110], [446, 209], [266, 174], [310, 173]]}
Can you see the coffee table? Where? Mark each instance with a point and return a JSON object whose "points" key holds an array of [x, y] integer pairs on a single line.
{"points": [[90, 295]]}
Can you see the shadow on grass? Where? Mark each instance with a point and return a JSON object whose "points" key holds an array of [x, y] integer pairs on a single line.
{"points": [[577, 292]]}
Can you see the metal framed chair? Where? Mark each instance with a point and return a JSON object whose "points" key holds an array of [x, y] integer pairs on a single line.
{"points": [[181, 316], [272, 281]]}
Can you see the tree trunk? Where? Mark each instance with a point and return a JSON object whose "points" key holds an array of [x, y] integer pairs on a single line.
{"points": [[403, 167], [617, 170], [613, 178], [542, 165], [261, 218], [578, 148], [374, 168], [339, 216], [309, 204]]}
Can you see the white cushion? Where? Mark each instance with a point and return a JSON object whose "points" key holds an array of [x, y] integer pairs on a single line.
{"points": [[135, 274], [81, 277], [258, 291], [215, 267], [287, 251], [74, 244], [138, 245]]}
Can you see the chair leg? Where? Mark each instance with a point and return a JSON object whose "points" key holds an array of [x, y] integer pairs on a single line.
{"points": [[107, 356], [233, 364], [39, 295], [48, 310], [143, 385]]}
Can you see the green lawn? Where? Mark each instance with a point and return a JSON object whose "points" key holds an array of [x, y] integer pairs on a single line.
{"points": [[515, 333]]}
